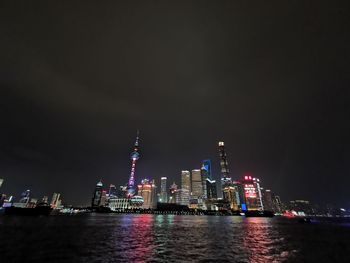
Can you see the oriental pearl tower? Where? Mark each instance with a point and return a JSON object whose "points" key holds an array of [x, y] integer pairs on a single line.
{"points": [[135, 155]]}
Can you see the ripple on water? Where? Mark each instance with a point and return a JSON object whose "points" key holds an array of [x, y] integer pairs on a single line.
{"points": [[160, 238]]}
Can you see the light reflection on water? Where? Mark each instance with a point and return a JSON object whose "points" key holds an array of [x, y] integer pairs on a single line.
{"points": [[166, 238]]}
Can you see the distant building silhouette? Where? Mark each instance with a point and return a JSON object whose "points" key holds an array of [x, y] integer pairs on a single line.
{"points": [[96, 199]]}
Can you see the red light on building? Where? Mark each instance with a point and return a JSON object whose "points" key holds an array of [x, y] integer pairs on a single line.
{"points": [[248, 176]]}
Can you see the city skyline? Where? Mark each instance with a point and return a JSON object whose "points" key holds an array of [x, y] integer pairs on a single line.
{"points": [[195, 177], [174, 131], [270, 81], [158, 180]]}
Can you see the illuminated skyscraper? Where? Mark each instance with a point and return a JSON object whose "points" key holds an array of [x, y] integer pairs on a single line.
{"points": [[147, 189], [96, 199], [183, 194], [233, 194], [197, 186], [204, 176], [186, 180], [259, 193], [1, 181], [163, 190], [135, 155], [253, 201], [229, 193], [211, 189], [224, 165], [207, 166]]}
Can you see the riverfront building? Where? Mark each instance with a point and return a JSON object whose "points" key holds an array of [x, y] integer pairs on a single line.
{"points": [[96, 199], [147, 190]]}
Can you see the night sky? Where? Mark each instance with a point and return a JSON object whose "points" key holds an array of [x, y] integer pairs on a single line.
{"points": [[271, 79]]}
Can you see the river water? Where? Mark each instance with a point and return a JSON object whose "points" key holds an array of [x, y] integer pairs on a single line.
{"points": [[171, 238]]}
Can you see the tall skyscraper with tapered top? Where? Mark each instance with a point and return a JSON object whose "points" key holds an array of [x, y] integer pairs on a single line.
{"points": [[225, 179], [135, 155]]}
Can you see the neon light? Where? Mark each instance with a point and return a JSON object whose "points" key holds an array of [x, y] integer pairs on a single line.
{"points": [[249, 191], [134, 157]]}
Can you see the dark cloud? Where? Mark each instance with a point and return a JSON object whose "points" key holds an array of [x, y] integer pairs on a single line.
{"points": [[271, 80]]}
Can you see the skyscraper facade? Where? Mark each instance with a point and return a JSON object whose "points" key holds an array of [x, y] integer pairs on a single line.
{"points": [[186, 180], [269, 200], [147, 189], [233, 194], [163, 190], [205, 176], [182, 197], [135, 155], [241, 201], [96, 199], [225, 179], [251, 193], [229, 193], [211, 189], [197, 185], [207, 166], [259, 192], [183, 194]]}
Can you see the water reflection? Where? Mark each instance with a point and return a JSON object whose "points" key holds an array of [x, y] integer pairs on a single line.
{"points": [[169, 238], [138, 244], [262, 241]]}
